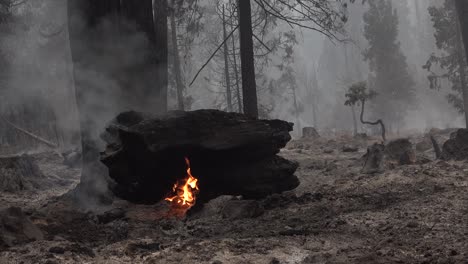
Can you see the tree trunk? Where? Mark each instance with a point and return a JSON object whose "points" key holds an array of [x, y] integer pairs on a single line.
{"points": [[226, 66], [236, 74], [355, 124], [462, 8], [160, 11], [378, 122], [107, 81], [249, 86], [314, 88], [176, 58], [296, 109]]}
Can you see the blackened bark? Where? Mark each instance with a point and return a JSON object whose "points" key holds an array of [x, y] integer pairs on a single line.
{"points": [[160, 12], [249, 86], [119, 50], [176, 58], [230, 154], [378, 122], [226, 66], [236, 75]]}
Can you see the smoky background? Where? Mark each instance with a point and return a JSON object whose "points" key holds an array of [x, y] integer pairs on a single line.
{"points": [[37, 79]]}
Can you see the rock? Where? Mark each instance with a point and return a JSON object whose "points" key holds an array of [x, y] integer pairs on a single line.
{"points": [[374, 159], [349, 148], [328, 150], [111, 215], [57, 250], [239, 209], [275, 261], [16, 228], [142, 247], [310, 133], [229, 153], [19, 173], [456, 147]]}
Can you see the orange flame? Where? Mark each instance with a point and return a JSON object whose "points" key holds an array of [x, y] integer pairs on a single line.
{"points": [[185, 191]]}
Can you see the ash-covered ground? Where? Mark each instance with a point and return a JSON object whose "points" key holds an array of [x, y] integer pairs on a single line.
{"points": [[406, 214]]}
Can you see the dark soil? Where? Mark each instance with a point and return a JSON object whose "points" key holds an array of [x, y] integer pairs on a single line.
{"points": [[406, 214]]}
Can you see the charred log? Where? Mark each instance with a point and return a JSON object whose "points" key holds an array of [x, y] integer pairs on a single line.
{"points": [[374, 159], [401, 150], [231, 154]]}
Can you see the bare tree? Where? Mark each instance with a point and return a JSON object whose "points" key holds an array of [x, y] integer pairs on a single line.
{"points": [[358, 93]]}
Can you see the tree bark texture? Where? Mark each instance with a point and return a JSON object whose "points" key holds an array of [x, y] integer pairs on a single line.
{"points": [[249, 86]]}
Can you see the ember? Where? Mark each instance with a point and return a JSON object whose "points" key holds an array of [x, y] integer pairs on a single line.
{"points": [[185, 191]]}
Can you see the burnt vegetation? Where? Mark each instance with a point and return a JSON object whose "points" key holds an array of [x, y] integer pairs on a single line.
{"points": [[233, 131]]}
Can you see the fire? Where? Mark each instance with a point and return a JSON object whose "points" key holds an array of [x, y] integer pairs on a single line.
{"points": [[185, 191]]}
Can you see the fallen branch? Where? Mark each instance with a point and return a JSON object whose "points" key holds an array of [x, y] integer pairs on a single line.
{"points": [[44, 141]]}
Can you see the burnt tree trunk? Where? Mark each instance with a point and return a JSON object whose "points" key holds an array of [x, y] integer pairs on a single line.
{"points": [[462, 9], [176, 58], [249, 86], [229, 153], [355, 124], [378, 122], [226, 65], [119, 51], [236, 74]]}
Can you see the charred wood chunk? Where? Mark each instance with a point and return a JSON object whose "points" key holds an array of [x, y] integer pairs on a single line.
{"points": [[456, 147], [407, 158], [396, 148], [401, 150], [374, 159], [16, 228], [229, 154]]}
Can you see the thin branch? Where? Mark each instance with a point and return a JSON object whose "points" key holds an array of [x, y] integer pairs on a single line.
{"points": [[212, 55]]}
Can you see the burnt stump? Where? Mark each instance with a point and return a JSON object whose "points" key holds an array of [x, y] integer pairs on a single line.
{"points": [[229, 153]]}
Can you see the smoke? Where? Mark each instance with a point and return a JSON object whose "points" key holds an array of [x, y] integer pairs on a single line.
{"points": [[36, 91], [111, 61]]}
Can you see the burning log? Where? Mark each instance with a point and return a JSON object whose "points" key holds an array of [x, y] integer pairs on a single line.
{"points": [[208, 152]]}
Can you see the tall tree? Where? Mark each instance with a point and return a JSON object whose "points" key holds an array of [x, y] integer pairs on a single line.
{"points": [[389, 70], [226, 63], [450, 60], [249, 85], [462, 9], [176, 59], [119, 50], [321, 16]]}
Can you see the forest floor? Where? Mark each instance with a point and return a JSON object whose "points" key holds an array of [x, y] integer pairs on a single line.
{"points": [[407, 214]]}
